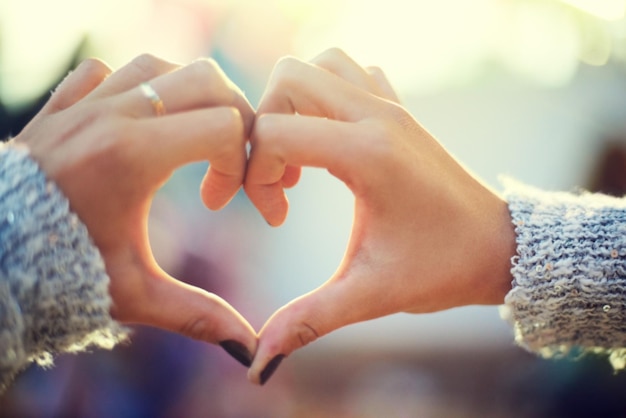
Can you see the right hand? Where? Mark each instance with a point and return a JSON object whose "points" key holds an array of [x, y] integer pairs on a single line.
{"points": [[99, 140], [426, 235]]}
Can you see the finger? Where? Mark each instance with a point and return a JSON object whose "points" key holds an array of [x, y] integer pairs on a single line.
{"points": [[386, 89], [337, 303], [305, 88], [198, 85], [193, 312], [85, 78], [141, 69], [291, 176], [339, 63], [337, 146], [215, 135]]}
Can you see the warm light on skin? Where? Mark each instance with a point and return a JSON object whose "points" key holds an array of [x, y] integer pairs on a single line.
{"points": [[604, 9]]}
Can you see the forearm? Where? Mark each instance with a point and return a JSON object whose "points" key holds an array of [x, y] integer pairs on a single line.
{"points": [[53, 284], [569, 276]]}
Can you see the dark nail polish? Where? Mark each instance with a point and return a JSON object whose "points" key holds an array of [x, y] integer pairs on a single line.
{"points": [[238, 351], [271, 367]]}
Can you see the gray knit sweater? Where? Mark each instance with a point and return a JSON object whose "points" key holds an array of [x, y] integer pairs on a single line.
{"points": [[53, 285], [569, 277]]}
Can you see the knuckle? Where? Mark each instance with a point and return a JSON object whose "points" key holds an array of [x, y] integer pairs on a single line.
{"points": [[286, 69], [203, 68], [265, 128], [332, 55], [206, 71], [232, 129], [336, 52], [211, 81], [207, 65], [262, 124], [199, 329], [232, 123], [95, 68], [401, 116], [333, 60], [287, 63], [392, 114], [88, 74], [306, 323], [386, 144], [306, 334], [286, 78], [147, 65], [375, 70]]}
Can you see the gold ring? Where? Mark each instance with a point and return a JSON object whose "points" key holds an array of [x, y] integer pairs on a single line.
{"points": [[150, 94]]}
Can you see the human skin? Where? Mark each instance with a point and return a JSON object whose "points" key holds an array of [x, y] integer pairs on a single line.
{"points": [[99, 139], [426, 234]]}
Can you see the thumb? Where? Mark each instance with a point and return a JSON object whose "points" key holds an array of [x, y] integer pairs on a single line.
{"points": [[337, 303], [193, 312]]}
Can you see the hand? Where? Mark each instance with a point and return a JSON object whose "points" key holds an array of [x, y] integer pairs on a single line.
{"points": [[426, 235], [99, 140]]}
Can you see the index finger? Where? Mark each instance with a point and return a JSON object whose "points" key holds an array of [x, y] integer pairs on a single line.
{"points": [[284, 140], [201, 84], [299, 87], [142, 68], [371, 79], [215, 134]]}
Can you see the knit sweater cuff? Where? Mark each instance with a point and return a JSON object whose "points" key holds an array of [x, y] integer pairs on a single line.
{"points": [[53, 284], [569, 275]]}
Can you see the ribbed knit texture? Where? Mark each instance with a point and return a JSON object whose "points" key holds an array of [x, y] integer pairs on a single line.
{"points": [[569, 278], [53, 285]]}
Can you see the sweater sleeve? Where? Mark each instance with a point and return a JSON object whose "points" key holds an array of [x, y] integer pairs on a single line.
{"points": [[53, 284], [568, 293]]}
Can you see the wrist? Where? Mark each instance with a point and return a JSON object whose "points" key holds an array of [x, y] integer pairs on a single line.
{"points": [[493, 280]]}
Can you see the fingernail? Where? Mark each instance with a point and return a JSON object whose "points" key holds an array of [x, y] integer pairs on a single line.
{"points": [[238, 351], [271, 367]]}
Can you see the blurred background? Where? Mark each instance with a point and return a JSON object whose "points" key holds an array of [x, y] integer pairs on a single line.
{"points": [[532, 89]]}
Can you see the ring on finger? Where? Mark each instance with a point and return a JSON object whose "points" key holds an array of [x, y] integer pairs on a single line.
{"points": [[149, 93]]}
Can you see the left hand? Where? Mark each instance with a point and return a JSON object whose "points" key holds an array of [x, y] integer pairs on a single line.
{"points": [[426, 235]]}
